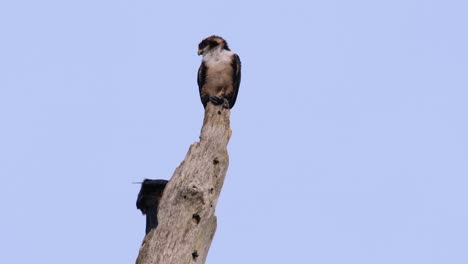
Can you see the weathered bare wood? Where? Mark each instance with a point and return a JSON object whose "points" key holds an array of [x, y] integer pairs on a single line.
{"points": [[187, 220]]}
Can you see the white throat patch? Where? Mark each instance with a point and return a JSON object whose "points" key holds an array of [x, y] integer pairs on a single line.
{"points": [[218, 55]]}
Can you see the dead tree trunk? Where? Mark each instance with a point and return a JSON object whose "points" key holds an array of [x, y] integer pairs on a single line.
{"points": [[187, 220]]}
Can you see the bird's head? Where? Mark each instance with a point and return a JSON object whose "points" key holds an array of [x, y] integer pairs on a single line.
{"points": [[212, 43]]}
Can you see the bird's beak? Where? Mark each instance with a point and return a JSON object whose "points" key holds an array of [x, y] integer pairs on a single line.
{"points": [[200, 52]]}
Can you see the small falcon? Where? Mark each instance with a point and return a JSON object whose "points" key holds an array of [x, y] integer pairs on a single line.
{"points": [[219, 74]]}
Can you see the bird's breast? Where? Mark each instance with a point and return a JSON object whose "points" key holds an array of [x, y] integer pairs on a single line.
{"points": [[219, 74], [219, 69]]}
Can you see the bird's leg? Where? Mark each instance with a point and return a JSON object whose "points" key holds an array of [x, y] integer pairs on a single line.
{"points": [[216, 100]]}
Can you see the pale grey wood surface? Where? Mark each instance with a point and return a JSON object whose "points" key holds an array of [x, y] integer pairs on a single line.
{"points": [[187, 221]]}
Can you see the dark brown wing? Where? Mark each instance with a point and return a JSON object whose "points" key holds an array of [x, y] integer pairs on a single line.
{"points": [[236, 78], [201, 81]]}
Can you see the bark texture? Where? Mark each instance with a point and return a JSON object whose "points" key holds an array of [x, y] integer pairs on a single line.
{"points": [[186, 215]]}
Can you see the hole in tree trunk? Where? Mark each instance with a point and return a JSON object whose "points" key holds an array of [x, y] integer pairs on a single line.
{"points": [[195, 255], [197, 218]]}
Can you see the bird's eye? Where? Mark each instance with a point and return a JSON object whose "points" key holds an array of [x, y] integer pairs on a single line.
{"points": [[213, 43]]}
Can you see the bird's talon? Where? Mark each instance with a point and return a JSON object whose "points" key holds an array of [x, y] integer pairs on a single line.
{"points": [[216, 100], [225, 103]]}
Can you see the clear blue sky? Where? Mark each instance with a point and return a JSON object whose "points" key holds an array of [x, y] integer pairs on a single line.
{"points": [[350, 132]]}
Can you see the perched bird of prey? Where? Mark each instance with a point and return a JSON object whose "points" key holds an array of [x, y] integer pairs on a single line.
{"points": [[219, 74], [148, 201]]}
